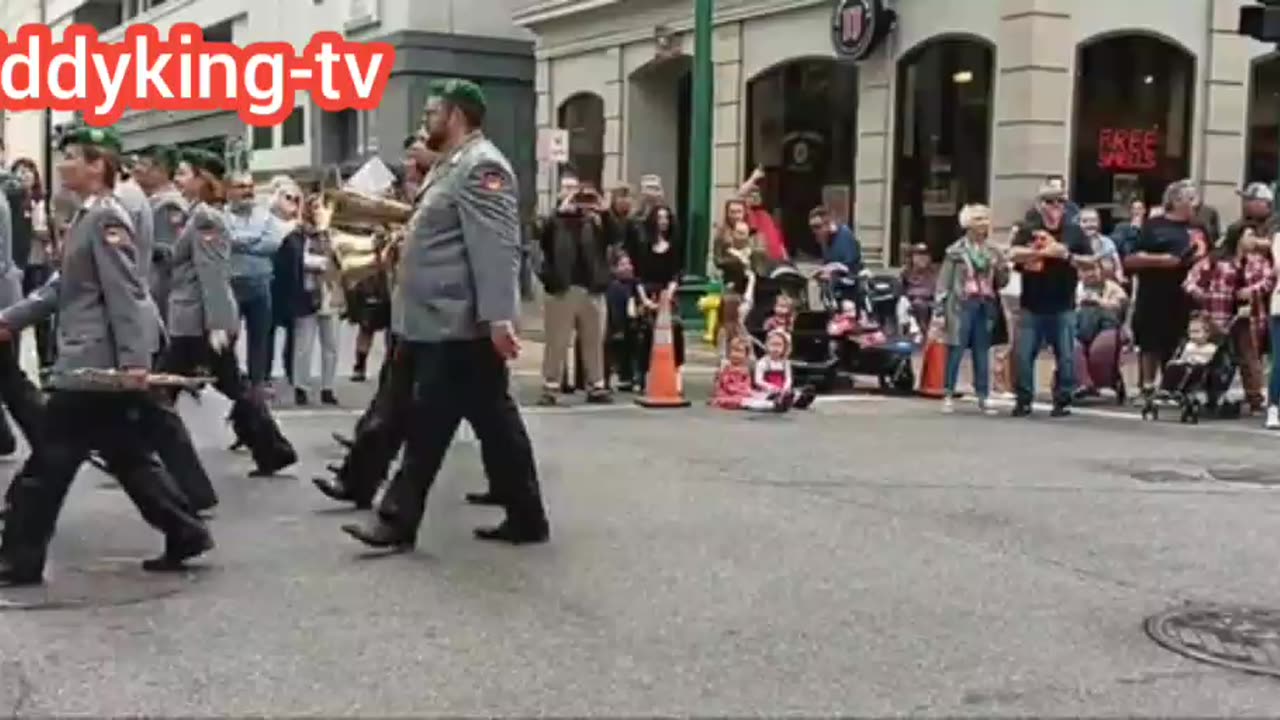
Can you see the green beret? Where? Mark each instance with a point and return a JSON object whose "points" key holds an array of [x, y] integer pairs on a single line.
{"points": [[205, 160], [166, 155], [455, 90], [105, 138]]}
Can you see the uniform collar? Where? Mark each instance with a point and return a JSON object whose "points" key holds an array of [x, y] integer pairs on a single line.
{"points": [[470, 139]]}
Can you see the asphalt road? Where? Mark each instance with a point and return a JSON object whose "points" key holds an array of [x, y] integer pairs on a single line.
{"points": [[868, 557]]}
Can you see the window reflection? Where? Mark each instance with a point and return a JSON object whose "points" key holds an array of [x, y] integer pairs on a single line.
{"points": [[1132, 121], [944, 141], [1263, 160], [802, 130], [583, 116]]}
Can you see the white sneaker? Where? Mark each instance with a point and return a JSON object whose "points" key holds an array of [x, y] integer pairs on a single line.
{"points": [[985, 408], [948, 406], [1273, 418]]}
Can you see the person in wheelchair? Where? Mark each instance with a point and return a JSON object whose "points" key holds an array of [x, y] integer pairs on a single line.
{"points": [[1100, 306]]}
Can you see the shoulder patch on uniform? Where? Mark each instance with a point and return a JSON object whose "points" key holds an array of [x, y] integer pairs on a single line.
{"points": [[115, 235], [493, 181]]}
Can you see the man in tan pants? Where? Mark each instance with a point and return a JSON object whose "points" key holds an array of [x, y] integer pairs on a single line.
{"points": [[575, 274]]}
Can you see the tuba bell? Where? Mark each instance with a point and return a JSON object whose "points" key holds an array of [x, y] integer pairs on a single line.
{"points": [[358, 211]]}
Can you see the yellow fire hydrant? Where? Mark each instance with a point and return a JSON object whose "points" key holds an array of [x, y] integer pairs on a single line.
{"points": [[709, 306]]}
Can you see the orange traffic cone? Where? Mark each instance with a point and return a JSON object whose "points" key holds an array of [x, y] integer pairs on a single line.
{"points": [[933, 369], [662, 386]]}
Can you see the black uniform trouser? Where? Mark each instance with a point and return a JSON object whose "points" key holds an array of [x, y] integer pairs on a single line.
{"points": [[46, 345], [23, 399], [380, 432], [76, 423], [250, 417], [454, 381]]}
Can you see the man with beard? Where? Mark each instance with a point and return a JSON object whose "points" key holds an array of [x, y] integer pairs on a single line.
{"points": [[105, 324], [1045, 251], [457, 308]]}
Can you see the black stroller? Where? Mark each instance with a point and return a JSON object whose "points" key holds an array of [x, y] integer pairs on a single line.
{"points": [[1195, 389]]}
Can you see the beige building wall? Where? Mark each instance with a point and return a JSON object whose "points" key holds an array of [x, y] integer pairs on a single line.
{"points": [[23, 131], [608, 51]]}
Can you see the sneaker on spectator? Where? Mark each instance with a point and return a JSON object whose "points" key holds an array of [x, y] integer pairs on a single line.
{"points": [[1273, 418]]}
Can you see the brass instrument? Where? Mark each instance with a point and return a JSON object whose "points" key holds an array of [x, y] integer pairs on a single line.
{"points": [[105, 380], [357, 211], [361, 222]]}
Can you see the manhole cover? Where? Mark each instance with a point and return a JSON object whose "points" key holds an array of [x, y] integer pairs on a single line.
{"points": [[105, 583], [1167, 476], [1241, 638], [1244, 474]]}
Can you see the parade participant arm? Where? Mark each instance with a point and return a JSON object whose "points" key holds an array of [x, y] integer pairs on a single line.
{"points": [[123, 293], [489, 214], [37, 307]]}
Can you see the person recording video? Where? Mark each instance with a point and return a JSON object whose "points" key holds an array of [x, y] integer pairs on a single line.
{"points": [[575, 274]]}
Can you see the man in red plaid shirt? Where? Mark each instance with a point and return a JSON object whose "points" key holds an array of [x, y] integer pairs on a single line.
{"points": [[1226, 285]]}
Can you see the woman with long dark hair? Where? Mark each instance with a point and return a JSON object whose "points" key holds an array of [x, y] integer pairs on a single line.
{"points": [[659, 265]]}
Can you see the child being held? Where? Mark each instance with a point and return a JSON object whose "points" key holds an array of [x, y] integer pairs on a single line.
{"points": [[734, 390], [773, 372], [1191, 364], [784, 315]]}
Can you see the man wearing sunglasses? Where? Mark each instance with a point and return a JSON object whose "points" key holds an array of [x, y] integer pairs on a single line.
{"points": [[1045, 251]]}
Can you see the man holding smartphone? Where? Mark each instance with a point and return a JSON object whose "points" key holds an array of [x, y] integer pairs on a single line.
{"points": [[575, 274]]}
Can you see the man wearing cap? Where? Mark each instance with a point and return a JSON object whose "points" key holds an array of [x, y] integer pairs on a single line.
{"points": [[154, 174], [1044, 251], [102, 282], [459, 302]]}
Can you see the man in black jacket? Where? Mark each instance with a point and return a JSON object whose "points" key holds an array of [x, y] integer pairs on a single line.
{"points": [[575, 274]]}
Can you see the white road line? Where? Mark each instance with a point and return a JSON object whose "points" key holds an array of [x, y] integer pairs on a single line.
{"points": [[1224, 426]]}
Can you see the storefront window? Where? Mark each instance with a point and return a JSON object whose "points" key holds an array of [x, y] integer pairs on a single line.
{"points": [[802, 130], [1263, 161], [583, 116], [1132, 121], [944, 141]]}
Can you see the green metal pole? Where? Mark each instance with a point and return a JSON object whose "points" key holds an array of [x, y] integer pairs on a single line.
{"points": [[699, 221]]}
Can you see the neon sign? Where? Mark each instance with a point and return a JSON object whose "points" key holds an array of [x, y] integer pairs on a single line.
{"points": [[1128, 149]]}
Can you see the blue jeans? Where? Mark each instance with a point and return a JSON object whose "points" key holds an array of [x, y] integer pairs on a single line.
{"points": [[253, 295], [1273, 383], [1034, 332], [977, 317]]}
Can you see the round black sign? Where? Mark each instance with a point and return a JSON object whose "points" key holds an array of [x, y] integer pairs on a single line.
{"points": [[857, 26]]}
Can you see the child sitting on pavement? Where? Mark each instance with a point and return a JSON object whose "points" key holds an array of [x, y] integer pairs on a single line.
{"points": [[773, 372], [734, 390], [622, 329]]}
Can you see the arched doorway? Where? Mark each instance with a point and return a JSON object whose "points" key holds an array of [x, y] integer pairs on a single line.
{"points": [[583, 116], [943, 121], [802, 122], [1262, 151], [660, 108], [1133, 111]]}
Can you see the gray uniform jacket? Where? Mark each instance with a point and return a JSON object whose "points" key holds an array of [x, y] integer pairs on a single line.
{"points": [[460, 266], [200, 299], [135, 202], [10, 273], [169, 216], [105, 316]]}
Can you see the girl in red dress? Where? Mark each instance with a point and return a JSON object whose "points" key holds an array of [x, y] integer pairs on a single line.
{"points": [[734, 387]]}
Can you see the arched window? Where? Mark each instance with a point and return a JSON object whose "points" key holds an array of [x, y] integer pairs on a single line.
{"points": [[583, 116], [802, 120], [1262, 161], [1133, 103], [943, 134]]}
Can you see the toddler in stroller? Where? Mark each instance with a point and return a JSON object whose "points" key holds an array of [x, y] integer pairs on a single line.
{"points": [[1198, 376]]}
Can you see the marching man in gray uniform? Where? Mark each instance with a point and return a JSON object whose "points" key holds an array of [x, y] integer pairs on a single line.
{"points": [[458, 302], [154, 174], [105, 323]]}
